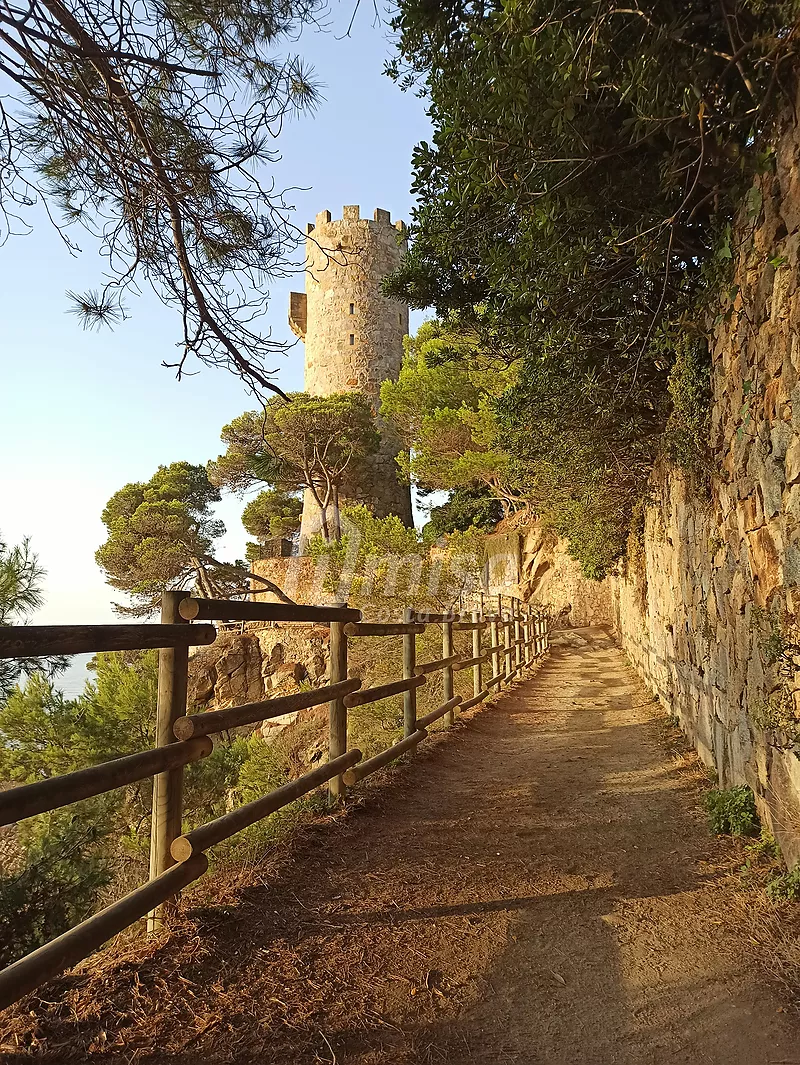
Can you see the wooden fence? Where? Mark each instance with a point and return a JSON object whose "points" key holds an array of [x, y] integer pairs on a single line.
{"points": [[518, 636]]}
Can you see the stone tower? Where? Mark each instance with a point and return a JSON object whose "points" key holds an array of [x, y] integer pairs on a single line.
{"points": [[354, 338]]}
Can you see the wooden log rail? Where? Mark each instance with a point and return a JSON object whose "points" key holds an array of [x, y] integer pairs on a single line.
{"points": [[358, 772], [182, 738], [55, 792], [200, 839], [214, 721], [236, 610], [33, 641], [466, 663], [440, 711], [382, 691], [440, 663]]}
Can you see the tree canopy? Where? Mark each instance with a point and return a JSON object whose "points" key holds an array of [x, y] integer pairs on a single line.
{"points": [[443, 407], [311, 442], [575, 206], [149, 125], [271, 515], [161, 535], [21, 596]]}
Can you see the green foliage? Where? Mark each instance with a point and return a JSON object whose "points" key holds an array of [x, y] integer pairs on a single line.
{"points": [[442, 406], [37, 732], [21, 596], [465, 509], [575, 209], [161, 534], [271, 515], [20, 582], [784, 886], [764, 848], [64, 871], [44, 734], [732, 811], [382, 566], [313, 442], [686, 439], [211, 783]]}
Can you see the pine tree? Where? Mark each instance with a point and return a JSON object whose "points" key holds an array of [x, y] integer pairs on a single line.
{"points": [[149, 124]]}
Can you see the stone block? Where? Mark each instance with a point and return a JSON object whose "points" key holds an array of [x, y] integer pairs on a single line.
{"points": [[765, 563]]}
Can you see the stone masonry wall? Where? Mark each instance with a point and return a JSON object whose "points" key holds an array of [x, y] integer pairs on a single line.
{"points": [[354, 336], [721, 575]]}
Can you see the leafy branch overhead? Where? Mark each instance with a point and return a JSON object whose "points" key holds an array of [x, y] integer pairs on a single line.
{"points": [[149, 125]]}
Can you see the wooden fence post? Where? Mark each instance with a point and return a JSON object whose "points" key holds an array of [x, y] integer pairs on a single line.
{"points": [[494, 635], [539, 639], [409, 665], [507, 646], [447, 672], [337, 711], [167, 813], [477, 684], [526, 634], [517, 634]]}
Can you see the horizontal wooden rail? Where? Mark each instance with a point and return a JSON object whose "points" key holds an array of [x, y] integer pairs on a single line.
{"points": [[51, 794], [402, 628], [432, 667], [192, 733], [206, 724], [440, 711], [382, 691], [475, 699], [358, 772], [467, 662], [71, 947], [200, 839], [28, 641], [235, 610]]}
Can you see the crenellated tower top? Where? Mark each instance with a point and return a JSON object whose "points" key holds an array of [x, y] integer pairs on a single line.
{"points": [[353, 333]]}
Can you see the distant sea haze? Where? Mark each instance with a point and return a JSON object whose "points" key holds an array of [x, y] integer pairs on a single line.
{"points": [[73, 680]]}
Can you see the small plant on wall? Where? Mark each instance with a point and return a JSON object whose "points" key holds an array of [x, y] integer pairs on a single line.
{"points": [[778, 713]]}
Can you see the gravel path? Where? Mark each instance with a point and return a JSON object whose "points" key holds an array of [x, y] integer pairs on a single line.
{"points": [[537, 888]]}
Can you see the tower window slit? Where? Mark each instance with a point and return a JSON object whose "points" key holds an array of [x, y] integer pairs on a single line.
{"points": [[352, 308], [352, 339]]}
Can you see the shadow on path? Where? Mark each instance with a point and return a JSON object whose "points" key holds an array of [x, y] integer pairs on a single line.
{"points": [[538, 887]]}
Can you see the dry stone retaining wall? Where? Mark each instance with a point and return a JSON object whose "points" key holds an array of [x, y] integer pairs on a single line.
{"points": [[718, 587]]}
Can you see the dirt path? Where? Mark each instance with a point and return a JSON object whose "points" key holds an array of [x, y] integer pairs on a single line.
{"points": [[539, 888]]}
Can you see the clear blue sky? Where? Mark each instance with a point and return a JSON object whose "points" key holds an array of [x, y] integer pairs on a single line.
{"points": [[85, 413]]}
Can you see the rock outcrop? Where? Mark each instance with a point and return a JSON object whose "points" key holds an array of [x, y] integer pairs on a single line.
{"points": [[245, 666]]}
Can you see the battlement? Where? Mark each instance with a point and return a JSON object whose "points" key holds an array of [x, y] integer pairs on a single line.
{"points": [[352, 213]]}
